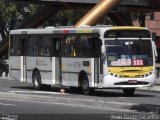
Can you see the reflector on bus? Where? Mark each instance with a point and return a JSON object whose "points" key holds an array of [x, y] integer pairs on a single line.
{"points": [[76, 31], [84, 31]]}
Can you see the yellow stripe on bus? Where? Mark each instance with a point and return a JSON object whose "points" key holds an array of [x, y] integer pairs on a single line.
{"points": [[127, 28]]}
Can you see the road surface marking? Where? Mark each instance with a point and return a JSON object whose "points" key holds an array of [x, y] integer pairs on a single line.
{"points": [[38, 92], [4, 104], [121, 97]]}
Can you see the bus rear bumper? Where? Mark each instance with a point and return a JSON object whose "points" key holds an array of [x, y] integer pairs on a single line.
{"points": [[114, 82]]}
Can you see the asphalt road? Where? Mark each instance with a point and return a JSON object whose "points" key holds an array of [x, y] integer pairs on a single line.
{"points": [[18, 109], [23, 109], [21, 99], [141, 97]]}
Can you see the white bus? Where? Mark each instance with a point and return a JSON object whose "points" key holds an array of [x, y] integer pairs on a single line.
{"points": [[89, 58]]}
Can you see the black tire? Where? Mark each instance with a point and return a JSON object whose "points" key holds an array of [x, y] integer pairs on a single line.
{"points": [[86, 90], [36, 80], [128, 91]]}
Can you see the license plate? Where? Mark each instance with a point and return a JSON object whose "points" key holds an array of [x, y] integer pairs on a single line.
{"points": [[132, 81]]}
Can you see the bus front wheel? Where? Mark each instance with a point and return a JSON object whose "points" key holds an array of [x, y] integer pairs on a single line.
{"points": [[128, 91], [36, 80]]}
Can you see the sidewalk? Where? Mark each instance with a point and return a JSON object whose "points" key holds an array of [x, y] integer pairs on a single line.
{"points": [[158, 81], [155, 88], [5, 78]]}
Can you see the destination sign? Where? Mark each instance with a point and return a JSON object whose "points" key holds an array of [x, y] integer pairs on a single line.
{"points": [[127, 34]]}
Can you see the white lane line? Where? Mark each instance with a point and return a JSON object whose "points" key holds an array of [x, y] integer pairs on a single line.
{"points": [[121, 97], [4, 104], [38, 92]]}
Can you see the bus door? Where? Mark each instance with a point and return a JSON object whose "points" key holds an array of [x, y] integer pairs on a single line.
{"points": [[57, 42], [97, 59], [23, 59], [96, 71]]}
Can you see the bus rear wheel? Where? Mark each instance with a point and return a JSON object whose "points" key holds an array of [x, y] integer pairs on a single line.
{"points": [[36, 80], [86, 90], [128, 91]]}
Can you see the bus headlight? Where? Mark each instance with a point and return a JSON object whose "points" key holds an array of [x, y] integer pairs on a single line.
{"points": [[115, 75], [147, 74]]}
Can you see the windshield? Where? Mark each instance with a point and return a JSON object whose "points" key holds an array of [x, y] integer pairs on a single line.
{"points": [[129, 52]]}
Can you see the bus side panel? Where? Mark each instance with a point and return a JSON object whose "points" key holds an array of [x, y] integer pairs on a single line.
{"points": [[53, 70], [31, 65], [95, 73], [14, 67], [71, 67], [57, 71], [44, 65]]}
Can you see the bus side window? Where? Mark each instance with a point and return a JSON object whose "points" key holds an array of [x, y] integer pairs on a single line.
{"points": [[11, 46], [23, 46], [41, 51], [47, 51], [78, 46], [85, 46], [56, 47], [15, 44], [67, 47], [19, 51], [97, 43], [73, 46], [70, 46]]}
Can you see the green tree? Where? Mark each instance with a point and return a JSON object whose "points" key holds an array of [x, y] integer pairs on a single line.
{"points": [[65, 18], [12, 15], [140, 17]]}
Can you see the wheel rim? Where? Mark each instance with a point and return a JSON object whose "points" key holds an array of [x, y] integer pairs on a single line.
{"points": [[36, 81]]}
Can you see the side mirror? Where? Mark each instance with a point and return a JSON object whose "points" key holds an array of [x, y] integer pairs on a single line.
{"points": [[155, 49], [103, 49]]}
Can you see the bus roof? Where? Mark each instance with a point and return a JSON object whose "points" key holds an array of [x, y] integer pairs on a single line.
{"points": [[52, 30], [67, 29]]}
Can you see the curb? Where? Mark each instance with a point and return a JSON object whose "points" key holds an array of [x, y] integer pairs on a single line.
{"points": [[143, 90], [158, 83], [84, 102], [6, 78], [155, 88]]}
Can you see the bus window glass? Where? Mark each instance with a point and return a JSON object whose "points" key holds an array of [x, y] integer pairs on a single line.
{"points": [[82, 46], [129, 53], [127, 34], [32, 46], [39, 45], [11, 46], [15, 46], [78, 46], [69, 46]]}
